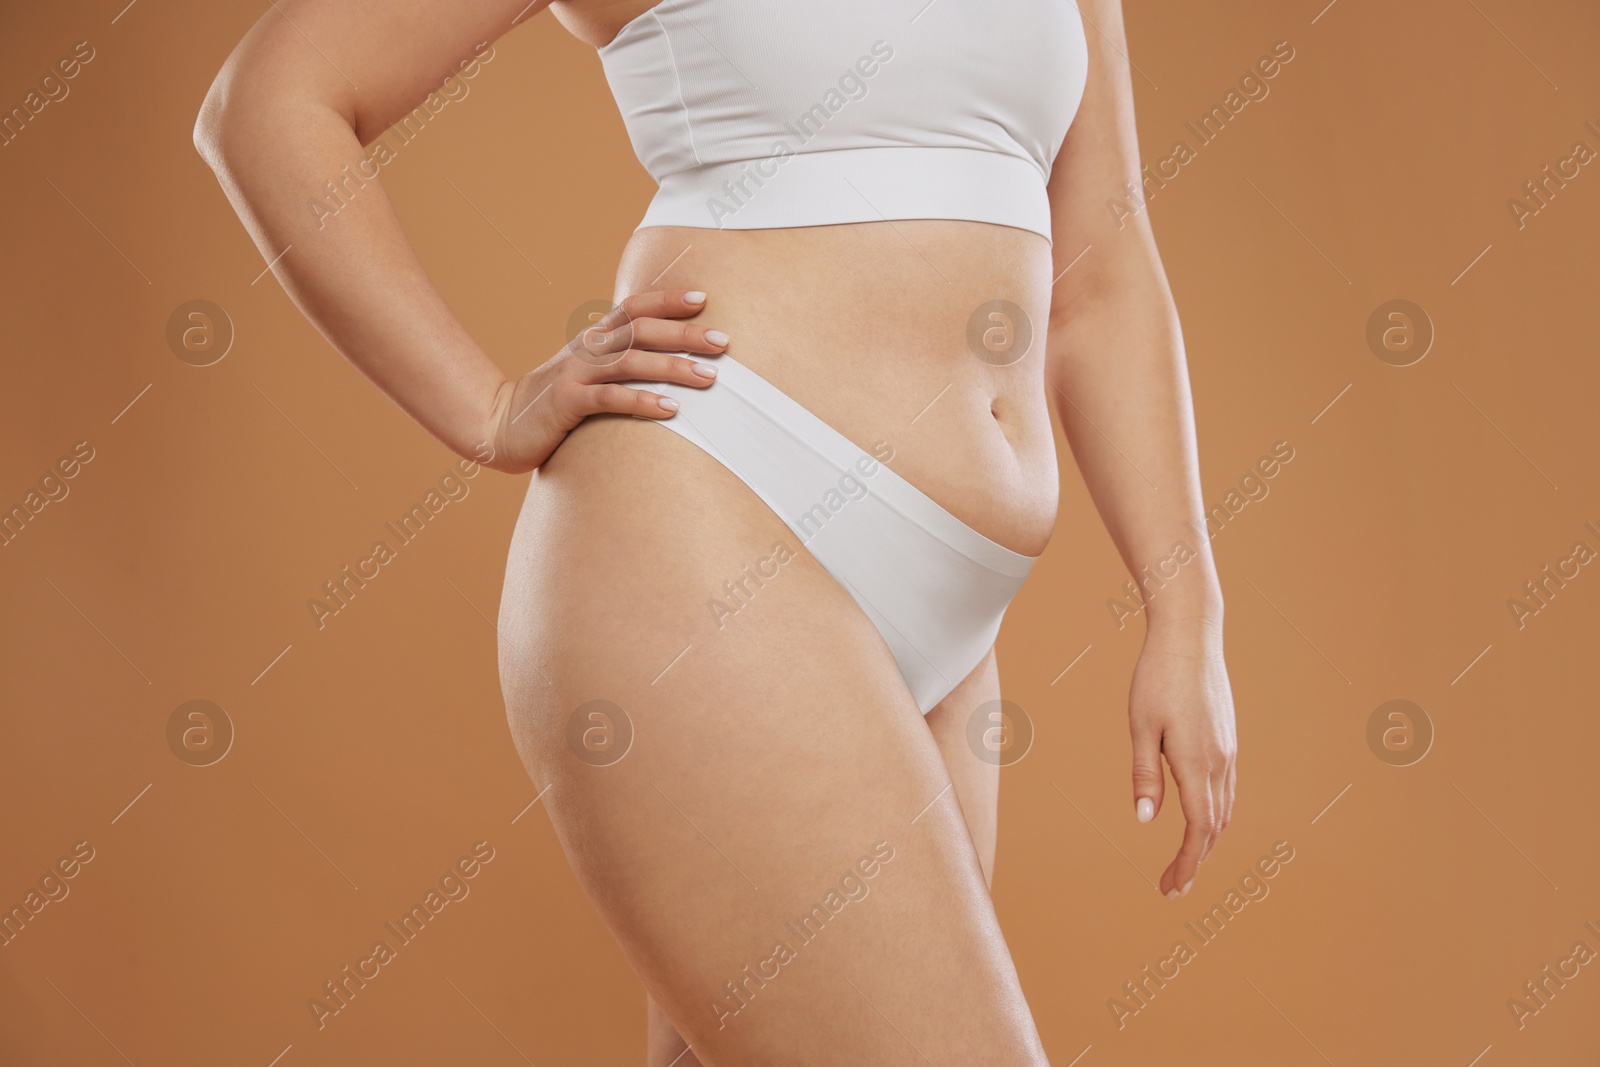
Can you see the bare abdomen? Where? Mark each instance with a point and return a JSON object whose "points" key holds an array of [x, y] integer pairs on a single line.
{"points": [[909, 333]]}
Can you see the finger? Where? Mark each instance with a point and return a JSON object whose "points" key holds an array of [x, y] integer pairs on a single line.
{"points": [[621, 400], [667, 336], [635, 365], [565, 403], [600, 347], [654, 303], [1228, 792], [650, 304], [660, 303], [1222, 801], [1149, 784], [1214, 788], [1195, 796]]}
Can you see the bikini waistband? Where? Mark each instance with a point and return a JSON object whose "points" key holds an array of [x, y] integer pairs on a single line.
{"points": [[888, 486]]}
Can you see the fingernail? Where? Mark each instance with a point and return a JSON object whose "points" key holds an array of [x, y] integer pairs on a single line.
{"points": [[667, 403], [1185, 890], [1173, 894], [705, 370], [1145, 809], [695, 297], [716, 337]]}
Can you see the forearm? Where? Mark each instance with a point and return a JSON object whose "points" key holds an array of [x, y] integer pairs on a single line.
{"points": [[352, 271], [1119, 380]]}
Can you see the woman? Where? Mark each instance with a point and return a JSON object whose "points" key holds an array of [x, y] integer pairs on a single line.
{"points": [[782, 613]]}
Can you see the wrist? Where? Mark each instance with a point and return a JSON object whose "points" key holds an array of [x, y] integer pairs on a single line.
{"points": [[488, 449], [1191, 601]]}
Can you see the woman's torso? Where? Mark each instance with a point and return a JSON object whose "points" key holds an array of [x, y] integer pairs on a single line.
{"points": [[867, 326], [890, 331]]}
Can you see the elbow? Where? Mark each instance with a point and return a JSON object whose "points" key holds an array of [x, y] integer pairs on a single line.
{"points": [[216, 126], [250, 107], [208, 127], [1128, 280], [237, 94], [262, 95]]}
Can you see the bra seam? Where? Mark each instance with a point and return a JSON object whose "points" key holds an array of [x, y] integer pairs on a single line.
{"points": [[1021, 156], [677, 80]]}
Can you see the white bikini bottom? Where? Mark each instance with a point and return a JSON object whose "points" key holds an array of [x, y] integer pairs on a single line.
{"points": [[935, 588]]}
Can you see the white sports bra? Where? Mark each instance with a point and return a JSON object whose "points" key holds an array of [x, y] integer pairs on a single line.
{"points": [[754, 114]]}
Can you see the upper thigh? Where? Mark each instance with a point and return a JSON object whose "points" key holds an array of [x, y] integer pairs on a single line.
{"points": [[975, 783], [776, 852], [975, 779]]}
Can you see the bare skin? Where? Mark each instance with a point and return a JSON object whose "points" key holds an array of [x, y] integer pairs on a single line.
{"points": [[778, 750], [976, 789], [840, 758]]}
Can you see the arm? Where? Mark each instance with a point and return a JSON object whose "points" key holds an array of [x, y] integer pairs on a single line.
{"points": [[285, 116], [1117, 374]]}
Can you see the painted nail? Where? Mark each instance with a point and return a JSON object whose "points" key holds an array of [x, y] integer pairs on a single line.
{"points": [[705, 370], [1173, 894], [1145, 810], [695, 297], [716, 337], [667, 403], [1185, 890]]}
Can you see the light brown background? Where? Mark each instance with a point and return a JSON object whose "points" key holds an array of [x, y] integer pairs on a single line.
{"points": [[374, 753]]}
